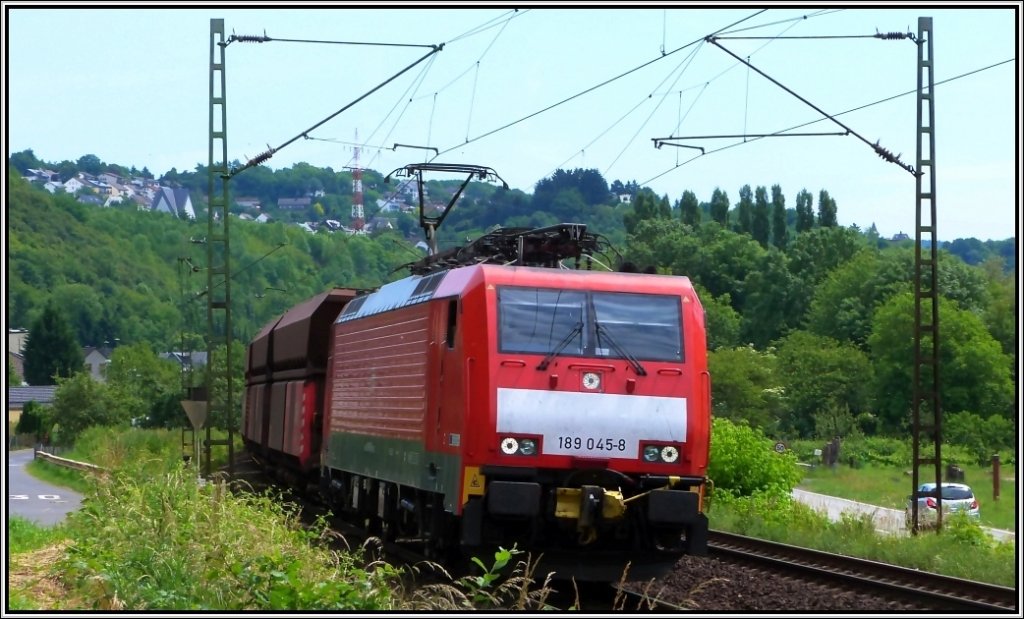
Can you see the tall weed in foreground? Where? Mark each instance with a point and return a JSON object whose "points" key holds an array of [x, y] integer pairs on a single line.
{"points": [[24, 535], [165, 543]]}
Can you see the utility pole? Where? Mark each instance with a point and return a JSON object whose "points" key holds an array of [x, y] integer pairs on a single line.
{"points": [[218, 273], [926, 407]]}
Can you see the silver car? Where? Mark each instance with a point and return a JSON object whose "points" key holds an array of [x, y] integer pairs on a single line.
{"points": [[956, 498]]}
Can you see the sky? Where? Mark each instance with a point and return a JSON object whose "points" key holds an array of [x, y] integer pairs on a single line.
{"points": [[529, 91]]}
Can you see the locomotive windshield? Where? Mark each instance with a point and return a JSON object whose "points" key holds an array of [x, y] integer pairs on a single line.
{"points": [[597, 324]]}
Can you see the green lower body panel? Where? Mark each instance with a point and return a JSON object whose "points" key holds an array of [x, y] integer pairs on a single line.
{"points": [[399, 461]]}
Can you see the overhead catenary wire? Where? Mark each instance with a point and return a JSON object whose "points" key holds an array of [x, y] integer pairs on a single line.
{"points": [[248, 38], [876, 146], [818, 120], [591, 89], [791, 21], [270, 153]]}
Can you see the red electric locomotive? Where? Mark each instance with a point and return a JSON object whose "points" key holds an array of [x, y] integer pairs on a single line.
{"points": [[466, 407]]}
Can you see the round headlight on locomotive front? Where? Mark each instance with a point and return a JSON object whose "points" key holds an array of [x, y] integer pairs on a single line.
{"points": [[527, 447], [651, 453], [509, 445], [669, 453]]}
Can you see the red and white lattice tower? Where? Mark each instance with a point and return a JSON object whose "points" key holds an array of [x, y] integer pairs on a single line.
{"points": [[358, 219]]}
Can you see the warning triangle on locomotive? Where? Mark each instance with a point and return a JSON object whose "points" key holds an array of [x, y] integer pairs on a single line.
{"points": [[514, 390]]}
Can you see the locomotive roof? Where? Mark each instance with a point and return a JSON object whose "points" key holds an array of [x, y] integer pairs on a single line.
{"points": [[453, 282]]}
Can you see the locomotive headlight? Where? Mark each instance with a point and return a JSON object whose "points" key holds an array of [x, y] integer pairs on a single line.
{"points": [[651, 453], [527, 447], [509, 445], [669, 453]]}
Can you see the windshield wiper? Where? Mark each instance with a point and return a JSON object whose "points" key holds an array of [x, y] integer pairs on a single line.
{"points": [[639, 369], [543, 365]]}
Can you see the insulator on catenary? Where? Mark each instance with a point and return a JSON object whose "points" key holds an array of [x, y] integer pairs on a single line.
{"points": [[892, 36], [258, 159], [250, 38]]}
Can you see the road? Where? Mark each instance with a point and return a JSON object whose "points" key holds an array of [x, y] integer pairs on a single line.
{"points": [[886, 520], [33, 499]]}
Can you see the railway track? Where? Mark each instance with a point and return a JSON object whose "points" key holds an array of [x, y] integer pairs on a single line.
{"points": [[923, 590], [926, 589]]}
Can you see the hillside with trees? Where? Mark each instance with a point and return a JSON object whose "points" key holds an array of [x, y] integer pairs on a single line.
{"points": [[808, 321]]}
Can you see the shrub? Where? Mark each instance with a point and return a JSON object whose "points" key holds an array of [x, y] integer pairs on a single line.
{"points": [[743, 462]]}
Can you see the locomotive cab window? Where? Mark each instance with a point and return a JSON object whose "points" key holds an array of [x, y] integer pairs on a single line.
{"points": [[535, 320], [589, 324]]}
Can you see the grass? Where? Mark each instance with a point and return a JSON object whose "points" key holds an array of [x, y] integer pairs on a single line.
{"points": [[24, 535], [890, 487], [961, 550], [32, 551]]}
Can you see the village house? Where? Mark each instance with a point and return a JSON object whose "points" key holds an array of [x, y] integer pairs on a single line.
{"points": [[96, 361], [175, 201], [294, 204]]}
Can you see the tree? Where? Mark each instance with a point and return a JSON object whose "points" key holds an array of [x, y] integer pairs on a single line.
{"points": [[826, 210], [689, 209], [745, 210], [148, 387], [760, 226], [974, 372], [51, 349], [34, 420], [80, 402], [819, 374], [24, 161], [592, 186], [720, 207], [813, 254], [91, 164], [804, 211], [780, 233], [13, 378], [1000, 313], [775, 300], [646, 206], [744, 386], [722, 321]]}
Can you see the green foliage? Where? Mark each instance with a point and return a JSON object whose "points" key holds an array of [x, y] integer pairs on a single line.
{"points": [[980, 436], [646, 207], [689, 209], [780, 233], [763, 515], [827, 213], [722, 321], [80, 402], [976, 373], [117, 273], [815, 252], [804, 211], [819, 374], [1000, 314], [480, 587], [13, 378], [760, 222], [148, 386], [958, 551], [744, 387], [51, 350], [24, 535], [165, 543], [743, 462], [744, 210], [35, 420], [843, 304], [775, 300], [720, 207]]}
